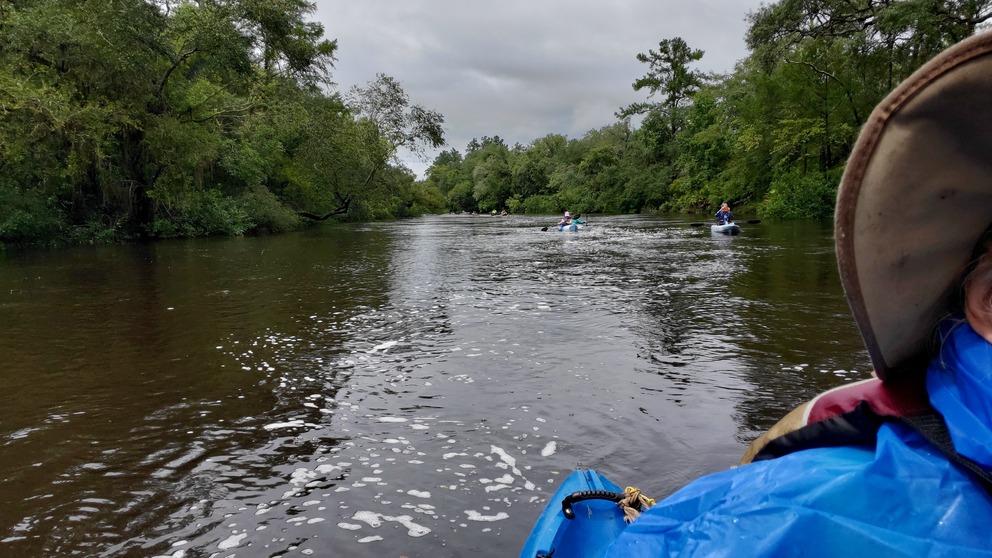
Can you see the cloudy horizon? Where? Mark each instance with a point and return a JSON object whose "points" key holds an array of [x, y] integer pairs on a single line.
{"points": [[521, 69]]}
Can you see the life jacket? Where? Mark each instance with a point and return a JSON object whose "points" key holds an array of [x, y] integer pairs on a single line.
{"points": [[851, 415]]}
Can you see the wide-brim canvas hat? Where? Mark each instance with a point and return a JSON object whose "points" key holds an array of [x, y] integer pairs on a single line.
{"points": [[915, 198]]}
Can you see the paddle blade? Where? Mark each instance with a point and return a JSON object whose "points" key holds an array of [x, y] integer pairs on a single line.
{"points": [[696, 224], [544, 229], [753, 221]]}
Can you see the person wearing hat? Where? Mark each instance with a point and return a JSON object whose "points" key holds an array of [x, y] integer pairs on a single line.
{"points": [[724, 216], [899, 464], [565, 220]]}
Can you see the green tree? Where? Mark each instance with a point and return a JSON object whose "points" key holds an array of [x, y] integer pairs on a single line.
{"points": [[491, 175], [445, 172], [670, 77], [284, 41], [151, 112], [532, 166]]}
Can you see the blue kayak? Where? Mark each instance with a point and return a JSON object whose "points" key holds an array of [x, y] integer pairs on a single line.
{"points": [[582, 518], [569, 228]]}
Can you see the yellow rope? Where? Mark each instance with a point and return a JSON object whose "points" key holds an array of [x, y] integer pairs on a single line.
{"points": [[634, 503]]}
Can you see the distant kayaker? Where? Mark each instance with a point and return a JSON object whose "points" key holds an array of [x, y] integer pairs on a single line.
{"points": [[899, 464], [724, 216], [565, 220]]}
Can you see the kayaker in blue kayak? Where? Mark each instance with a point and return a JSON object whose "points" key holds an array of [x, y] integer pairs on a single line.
{"points": [[565, 220], [724, 216], [898, 464]]}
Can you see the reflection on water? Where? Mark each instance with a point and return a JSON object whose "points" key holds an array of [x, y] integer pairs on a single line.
{"points": [[393, 389]]}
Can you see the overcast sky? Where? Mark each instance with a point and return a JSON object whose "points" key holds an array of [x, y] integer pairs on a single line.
{"points": [[522, 69]]}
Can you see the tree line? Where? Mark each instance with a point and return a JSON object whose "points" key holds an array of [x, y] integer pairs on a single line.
{"points": [[162, 118], [773, 135], [166, 118]]}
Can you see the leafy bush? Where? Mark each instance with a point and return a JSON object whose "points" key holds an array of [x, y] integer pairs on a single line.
{"points": [[795, 196], [25, 217], [100, 230], [201, 214], [425, 198], [264, 210], [540, 205]]}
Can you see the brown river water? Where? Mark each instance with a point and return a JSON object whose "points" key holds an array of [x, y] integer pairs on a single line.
{"points": [[412, 389]]}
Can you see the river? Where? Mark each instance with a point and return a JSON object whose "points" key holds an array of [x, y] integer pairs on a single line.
{"points": [[414, 388]]}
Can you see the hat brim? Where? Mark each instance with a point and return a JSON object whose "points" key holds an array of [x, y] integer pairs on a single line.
{"points": [[915, 198]]}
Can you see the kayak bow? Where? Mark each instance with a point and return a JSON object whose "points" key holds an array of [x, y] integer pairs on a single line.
{"points": [[582, 518]]}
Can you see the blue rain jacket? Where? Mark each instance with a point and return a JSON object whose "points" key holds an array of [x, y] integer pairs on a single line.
{"points": [[899, 498]]}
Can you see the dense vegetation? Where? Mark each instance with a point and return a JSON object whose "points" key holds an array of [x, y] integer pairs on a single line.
{"points": [[163, 118], [773, 135]]}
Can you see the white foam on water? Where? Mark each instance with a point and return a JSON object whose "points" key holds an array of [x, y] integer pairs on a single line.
{"points": [[290, 424], [232, 541], [476, 516], [373, 519], [349, 526], [419, 493], [419, 508], [393, 419], [504, 457], [382, 346], [413, 529], [507, 461], [373, 538], [302, 475], [549, 449]]}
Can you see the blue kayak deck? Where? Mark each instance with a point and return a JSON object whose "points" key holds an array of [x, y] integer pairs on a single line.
{"points": [[596, 523]]}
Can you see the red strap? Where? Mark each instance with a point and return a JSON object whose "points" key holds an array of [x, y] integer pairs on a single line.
{"points": [[897, 398]]}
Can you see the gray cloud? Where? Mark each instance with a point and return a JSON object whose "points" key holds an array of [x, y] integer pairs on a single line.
{"points": [[521, 69]]}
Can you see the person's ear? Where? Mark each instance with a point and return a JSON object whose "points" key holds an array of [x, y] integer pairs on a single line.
{"points": [[978, 308]]}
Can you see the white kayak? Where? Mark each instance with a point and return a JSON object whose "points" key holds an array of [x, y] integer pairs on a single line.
{"points": [[729, 228]]}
